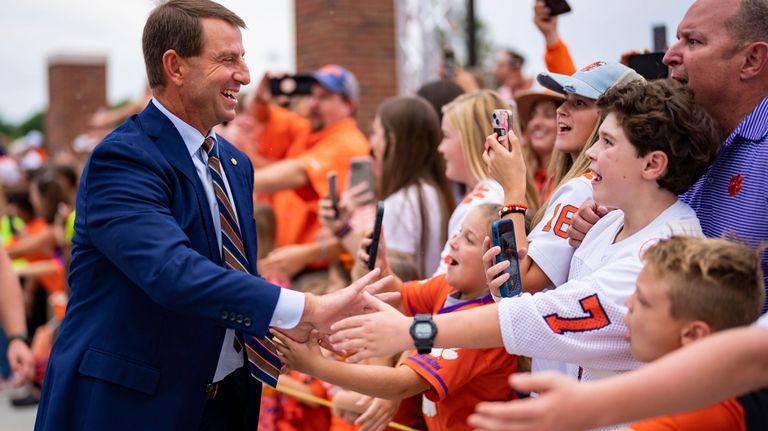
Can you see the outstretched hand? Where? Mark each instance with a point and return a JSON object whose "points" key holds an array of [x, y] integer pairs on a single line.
{"points": [[320, 312], [378, 334], [298, 356], [558, 406], [506, 164]]}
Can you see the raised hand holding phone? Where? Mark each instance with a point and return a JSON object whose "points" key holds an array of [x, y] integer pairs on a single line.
{"points": [[506, 165], [503, 232]]}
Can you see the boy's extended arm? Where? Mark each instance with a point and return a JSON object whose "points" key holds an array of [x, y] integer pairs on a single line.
{"points": [[689, 378], [379, 381]]}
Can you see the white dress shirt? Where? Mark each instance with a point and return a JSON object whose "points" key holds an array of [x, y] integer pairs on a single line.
{"points": [[290, 304]]}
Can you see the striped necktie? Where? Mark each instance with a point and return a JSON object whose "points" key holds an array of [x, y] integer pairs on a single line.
{"points": [[262, 354]]}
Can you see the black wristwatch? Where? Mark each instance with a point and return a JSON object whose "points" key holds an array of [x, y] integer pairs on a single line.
{"points": [[423, 332]]}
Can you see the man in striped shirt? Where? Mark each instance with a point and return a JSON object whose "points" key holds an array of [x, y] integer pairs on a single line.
{"points": [[722, 54]]}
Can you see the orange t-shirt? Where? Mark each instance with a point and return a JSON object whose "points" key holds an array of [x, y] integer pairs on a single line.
{"points": [[283, 130], [724, 416], [330, 149], [558, 59], [460, 378]]}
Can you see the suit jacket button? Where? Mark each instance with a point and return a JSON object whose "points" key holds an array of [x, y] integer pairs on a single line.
{"points": [[224, 314], [247, 321], [232, 316], [239, 318]]}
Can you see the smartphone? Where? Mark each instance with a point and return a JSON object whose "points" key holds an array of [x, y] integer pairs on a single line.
{"points": [[449, 64], [373, 250], [333, 193], [649, 66], [501, 121], [291, 85], [659, 38], [557, 7], [361, 170], [503, 233]]}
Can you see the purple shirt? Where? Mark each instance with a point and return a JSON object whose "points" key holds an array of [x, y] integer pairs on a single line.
{"points": [[731, 198]]}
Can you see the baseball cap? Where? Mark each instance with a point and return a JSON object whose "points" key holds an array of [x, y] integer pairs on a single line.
{"points": [[591, 81], [526, 99], [338, 80]]}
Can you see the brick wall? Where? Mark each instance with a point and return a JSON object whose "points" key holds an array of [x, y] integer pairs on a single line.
{"points": [[77, 87], [358, 35]]}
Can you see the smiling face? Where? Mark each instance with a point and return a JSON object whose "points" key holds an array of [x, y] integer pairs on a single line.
{"points": [[576, 119], [704, 54], [615, 165], [465, 260], [456, 168], [653, 332], [213, 78], [541, 129]]}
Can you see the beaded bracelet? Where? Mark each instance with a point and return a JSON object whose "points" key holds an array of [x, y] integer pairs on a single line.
{"points": [[341, 233], [513, 208]]}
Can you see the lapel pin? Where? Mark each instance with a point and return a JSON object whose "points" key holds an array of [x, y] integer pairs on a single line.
{"points": [[233, 161]]}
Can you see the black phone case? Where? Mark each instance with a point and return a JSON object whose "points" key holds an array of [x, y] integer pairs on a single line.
{"points": [[373, 250]]}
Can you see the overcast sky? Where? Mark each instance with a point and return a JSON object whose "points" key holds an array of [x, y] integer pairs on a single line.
{"points": [[33, 30]]}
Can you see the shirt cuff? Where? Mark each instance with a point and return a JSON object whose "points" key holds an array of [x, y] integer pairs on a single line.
{"points": [[288, 310]]}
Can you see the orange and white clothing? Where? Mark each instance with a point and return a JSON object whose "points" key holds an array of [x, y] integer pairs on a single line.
{"points": [[548, 240], [486, 191], [459, 378], [582, 321]]}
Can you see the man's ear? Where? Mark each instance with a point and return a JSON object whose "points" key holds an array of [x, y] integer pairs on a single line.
{"points": [[694, 331], [755, 60], [174, 67], [655, 165]]}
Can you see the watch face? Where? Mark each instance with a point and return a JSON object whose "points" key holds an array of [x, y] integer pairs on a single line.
{"points": [[422, 330]]}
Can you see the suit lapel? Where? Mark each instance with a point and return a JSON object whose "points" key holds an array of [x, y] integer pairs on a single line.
{"points": [[168, 140]]}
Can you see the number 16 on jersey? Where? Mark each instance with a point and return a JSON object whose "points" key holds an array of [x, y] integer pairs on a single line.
{"points": [[503, 232]]}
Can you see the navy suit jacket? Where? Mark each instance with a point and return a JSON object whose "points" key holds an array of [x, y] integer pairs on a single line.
{"points": [[150, 301]]}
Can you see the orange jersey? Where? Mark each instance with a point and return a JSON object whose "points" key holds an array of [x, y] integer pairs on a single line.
{"points": [[723, 416], [460, 378], [746, 413], [330, 149]]}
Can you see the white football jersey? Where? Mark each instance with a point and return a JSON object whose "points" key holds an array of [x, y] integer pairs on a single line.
{"points": [[763, 321], [582, 321], [548, 246], [485, 192], [548, 240]]}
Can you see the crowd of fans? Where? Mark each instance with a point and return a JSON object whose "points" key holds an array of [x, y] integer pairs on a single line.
{"points": [[637, 204]]}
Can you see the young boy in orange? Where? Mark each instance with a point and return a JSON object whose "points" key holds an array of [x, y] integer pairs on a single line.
{"points": [[452, 381], [690, 288]]}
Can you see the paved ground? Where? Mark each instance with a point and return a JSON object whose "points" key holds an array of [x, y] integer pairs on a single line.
{"points": [[15, 419]]}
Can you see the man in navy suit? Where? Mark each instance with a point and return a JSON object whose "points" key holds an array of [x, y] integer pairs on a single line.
{"points": [[150, 339]]}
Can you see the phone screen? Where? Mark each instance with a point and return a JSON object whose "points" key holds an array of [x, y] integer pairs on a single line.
{"points": [[504, 236], [373, 250]]}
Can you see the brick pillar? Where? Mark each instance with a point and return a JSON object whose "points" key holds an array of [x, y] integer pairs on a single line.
{"points": [[359, 35], [77, 87]]}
